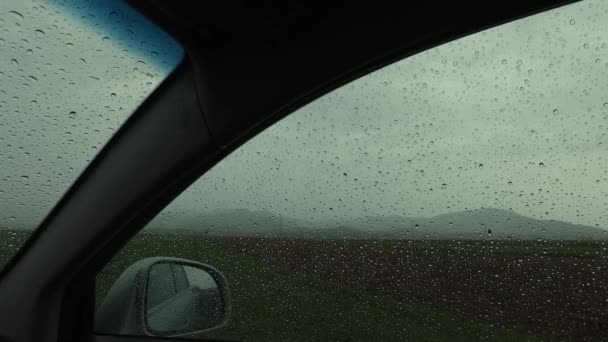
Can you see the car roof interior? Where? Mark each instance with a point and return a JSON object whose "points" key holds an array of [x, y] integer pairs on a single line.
{"points": [[246, 66]]}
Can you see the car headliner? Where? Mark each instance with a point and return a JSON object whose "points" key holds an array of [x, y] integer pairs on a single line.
{"points": [[278, 56], [246, 67]]}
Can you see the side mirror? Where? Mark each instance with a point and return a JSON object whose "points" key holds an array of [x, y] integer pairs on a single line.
{"points": [[165, 297]]}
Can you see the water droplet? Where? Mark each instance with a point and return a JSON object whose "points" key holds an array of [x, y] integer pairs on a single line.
{"points": [[504, 61], [555, 112], [14, 61], [572, 22], [541, 164], [480, 165], [72, 115], [113, 95], [16, 15], [40, 33], [105, 39]]}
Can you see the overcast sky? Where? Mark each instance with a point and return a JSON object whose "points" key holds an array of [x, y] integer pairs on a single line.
{"points": [[70, 74], [511, 118]]}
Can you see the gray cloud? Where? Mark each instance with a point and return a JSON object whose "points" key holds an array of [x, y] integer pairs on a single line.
{"points": [[511, 118]]}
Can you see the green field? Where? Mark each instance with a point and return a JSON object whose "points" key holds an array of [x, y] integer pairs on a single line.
{"points": [[277, 304], [274, 300], [10, 242]]}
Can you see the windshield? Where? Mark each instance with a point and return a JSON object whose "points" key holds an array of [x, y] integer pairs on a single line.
{"points": [[71, 72]]}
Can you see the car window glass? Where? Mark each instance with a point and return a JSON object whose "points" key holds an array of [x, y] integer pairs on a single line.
{"points": [[179, 275], [457, 195], [71, 72], [161, 285], [200, 280]]}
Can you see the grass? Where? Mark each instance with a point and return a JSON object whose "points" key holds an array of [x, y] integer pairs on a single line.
{"points": [[10, 242], [276, 304]]}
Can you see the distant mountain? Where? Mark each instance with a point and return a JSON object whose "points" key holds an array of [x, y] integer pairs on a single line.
{"points": [[240, 222], [487, 223]]}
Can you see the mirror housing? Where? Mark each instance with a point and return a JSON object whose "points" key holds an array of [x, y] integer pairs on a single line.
{"points": [[141, 303]]}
